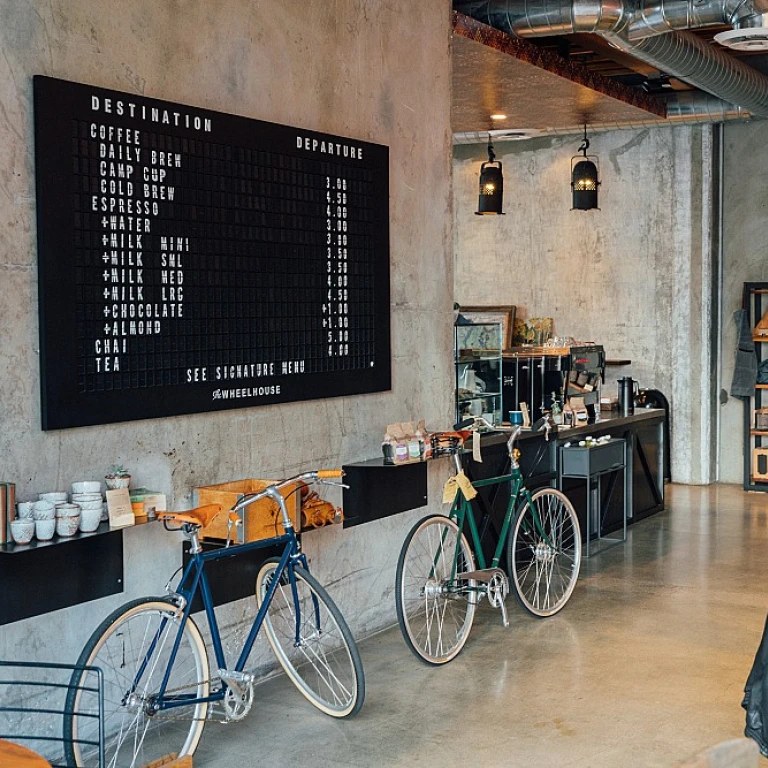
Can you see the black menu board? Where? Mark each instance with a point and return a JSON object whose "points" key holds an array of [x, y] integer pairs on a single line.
{"points": [[195, 261]]}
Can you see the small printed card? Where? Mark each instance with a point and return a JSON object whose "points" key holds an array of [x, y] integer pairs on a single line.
{"points": [[119, 508]]}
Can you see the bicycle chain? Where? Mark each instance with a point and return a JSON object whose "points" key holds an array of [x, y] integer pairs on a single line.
{"points": [[211, 714]]}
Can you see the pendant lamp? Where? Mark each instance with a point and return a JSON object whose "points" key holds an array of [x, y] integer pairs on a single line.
{"points": [[491, 185], [584, 178]]}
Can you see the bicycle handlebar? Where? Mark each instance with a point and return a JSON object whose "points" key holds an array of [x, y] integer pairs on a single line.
{"points": [[324, 476], [475, 422]]}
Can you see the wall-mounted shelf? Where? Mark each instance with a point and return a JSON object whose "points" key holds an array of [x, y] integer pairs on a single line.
{"points": [[45, 576], [15, 549], [756, 440]]}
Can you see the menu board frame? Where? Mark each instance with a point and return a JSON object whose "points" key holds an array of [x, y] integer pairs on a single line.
{"points": [[205, 384]]}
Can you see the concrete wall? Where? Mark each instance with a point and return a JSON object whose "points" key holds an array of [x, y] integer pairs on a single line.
{"points": [[745, 244], [373, 71], [635, 276]]}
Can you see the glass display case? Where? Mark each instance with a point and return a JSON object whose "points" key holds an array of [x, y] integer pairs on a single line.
{"points": [[477, 358]]}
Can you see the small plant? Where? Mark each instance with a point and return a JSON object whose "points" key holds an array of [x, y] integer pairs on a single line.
{"points": [[117, 477]]}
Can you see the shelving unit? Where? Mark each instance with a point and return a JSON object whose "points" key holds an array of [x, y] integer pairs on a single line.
{"points": [[756, 440], [477, 364]]}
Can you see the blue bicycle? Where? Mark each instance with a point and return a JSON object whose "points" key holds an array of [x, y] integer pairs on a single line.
{"points": [[158, 686]]}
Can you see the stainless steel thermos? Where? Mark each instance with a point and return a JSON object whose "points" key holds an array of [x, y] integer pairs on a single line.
{"points": [[627, 387]]}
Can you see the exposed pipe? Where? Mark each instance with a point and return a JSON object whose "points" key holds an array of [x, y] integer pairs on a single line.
{"points": [[644, 18], [678, 54]]}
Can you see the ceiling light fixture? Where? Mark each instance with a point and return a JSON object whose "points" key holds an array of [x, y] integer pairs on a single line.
{"points": [[491, 185], [498, 116], [584, 178]]}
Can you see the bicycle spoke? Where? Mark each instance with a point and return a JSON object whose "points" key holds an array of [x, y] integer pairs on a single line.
{"points": [[543, 553], [434, 610]]}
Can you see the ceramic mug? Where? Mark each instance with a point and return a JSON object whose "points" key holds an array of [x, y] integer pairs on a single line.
{"points": [[515, 417], [44, 510], [86, 486], [67, 510], [22, 530], [90, 519], [55, 497], [67, 526], [44, 529], [25, 510]]}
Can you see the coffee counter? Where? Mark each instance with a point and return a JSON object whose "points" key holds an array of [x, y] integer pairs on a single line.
{"points": [[372, 483], [644, 433]]}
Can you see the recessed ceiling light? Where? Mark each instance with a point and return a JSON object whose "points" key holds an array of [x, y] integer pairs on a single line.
{"points": [[498, 116]]}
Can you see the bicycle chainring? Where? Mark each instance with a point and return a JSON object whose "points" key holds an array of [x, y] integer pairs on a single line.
{"points": [[498, 589], [238, 704]]}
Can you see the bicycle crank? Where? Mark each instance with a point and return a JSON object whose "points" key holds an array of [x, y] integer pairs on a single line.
{"points": [[497, 587], [238, 698]]}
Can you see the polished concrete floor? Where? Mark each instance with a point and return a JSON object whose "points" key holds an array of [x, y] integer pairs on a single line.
{"points": [[645, 665]]}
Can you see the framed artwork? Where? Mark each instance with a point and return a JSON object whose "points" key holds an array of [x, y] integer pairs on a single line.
{"points": [[533, 330], [503, 315]]}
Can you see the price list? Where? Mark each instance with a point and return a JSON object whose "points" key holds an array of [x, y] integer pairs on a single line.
{"points": [[192, 260]]}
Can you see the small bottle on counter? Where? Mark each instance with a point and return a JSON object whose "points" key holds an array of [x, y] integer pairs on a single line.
{"points": [[401, 451], [388, 449]]}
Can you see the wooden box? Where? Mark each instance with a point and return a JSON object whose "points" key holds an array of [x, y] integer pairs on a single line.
{"points": [[261, 520], [761, 419], [760, 463]]}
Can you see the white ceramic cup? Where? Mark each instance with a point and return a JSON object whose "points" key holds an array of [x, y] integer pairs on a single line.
{"points": [[90, 519], [57, 497], [22, 530], [87, 486], [68, 525], [25, 510], [44, 529], [87, 498], [44, 510], [67, 510]]}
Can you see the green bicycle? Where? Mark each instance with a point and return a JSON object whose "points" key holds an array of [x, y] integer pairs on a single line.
{"points": [[438, 585]]}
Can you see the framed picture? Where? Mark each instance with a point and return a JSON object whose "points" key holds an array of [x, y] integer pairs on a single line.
{"points": [[503, 315]]}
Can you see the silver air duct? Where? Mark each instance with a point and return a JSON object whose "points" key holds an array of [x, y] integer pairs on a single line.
{"points": [[677, 54]]}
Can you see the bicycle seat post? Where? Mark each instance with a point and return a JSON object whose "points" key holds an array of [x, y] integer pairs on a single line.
{"points": [[511, 446], [194, 538]]}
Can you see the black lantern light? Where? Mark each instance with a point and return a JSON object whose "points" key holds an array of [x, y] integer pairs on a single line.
{"points": [[584, 178], [491, 185]]}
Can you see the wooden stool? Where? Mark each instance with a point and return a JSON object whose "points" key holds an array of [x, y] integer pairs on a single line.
{"points": [[170, 761], [15, 756]]}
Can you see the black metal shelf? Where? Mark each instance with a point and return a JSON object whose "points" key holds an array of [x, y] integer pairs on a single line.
{"points": [[14, 549], [755, 302]]}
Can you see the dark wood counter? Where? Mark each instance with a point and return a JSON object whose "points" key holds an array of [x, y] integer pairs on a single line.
{"points": [[379, 490]]}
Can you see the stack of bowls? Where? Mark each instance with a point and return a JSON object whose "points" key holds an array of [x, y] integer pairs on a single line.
{"points": [[87, 495], [67, 519]]}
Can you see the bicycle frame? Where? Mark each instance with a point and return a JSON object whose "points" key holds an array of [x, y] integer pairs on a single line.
{"points": [[462, 512], [194, 580]]}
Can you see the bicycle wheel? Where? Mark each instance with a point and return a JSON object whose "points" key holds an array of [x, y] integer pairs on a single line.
{"points": [[544, 552], [141, 632], [434, 611], [324, 664]]}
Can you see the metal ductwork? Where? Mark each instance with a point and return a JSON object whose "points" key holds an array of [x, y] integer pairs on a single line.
{"points": [[677, 54]]}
